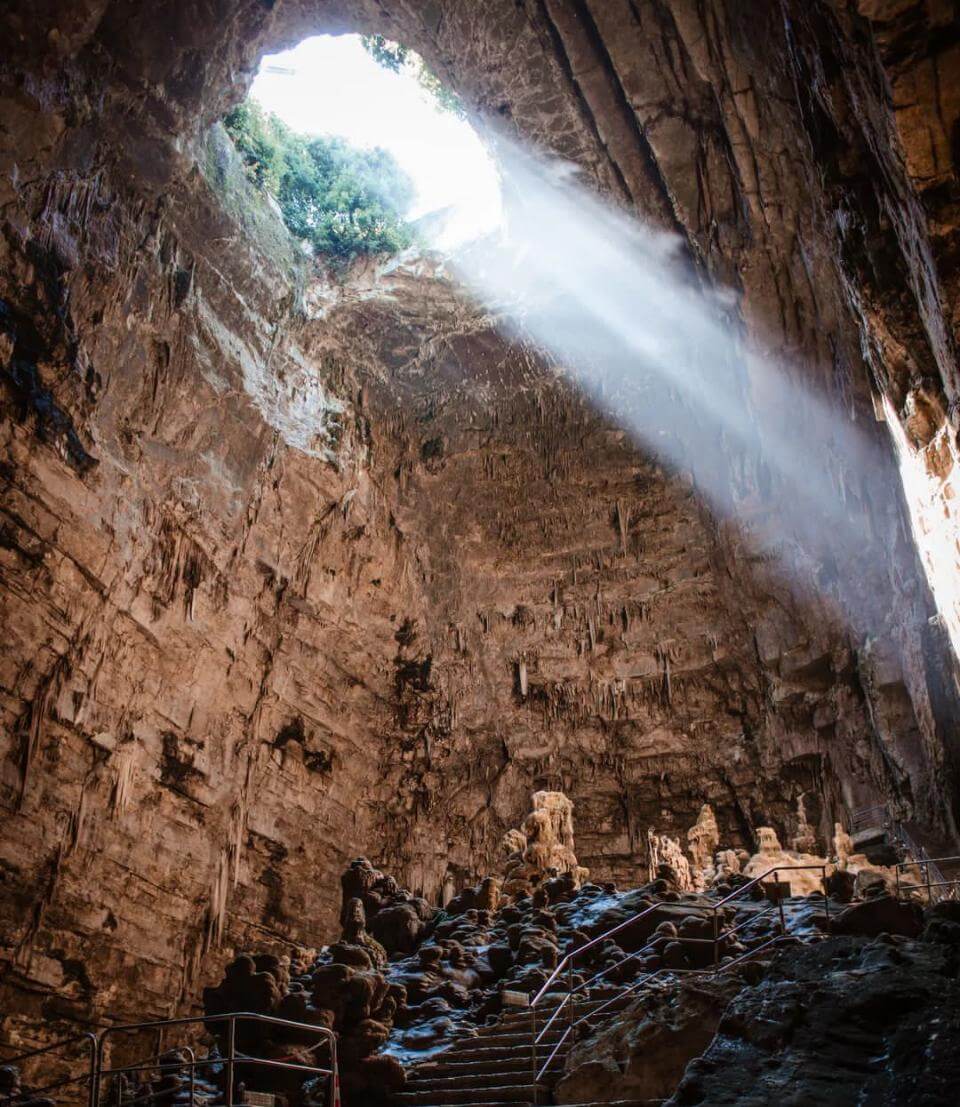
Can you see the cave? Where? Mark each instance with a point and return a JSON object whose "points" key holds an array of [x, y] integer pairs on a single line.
{"points": [[297, 569]]}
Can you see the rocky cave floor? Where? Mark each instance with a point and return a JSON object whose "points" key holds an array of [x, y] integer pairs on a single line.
{"points": [[862, 1008]]}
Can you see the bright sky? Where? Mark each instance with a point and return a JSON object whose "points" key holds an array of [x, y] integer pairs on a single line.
{"points": [[336, 88]]}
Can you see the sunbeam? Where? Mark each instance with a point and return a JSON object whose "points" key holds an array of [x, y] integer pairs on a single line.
{"points": [[616, 304]]}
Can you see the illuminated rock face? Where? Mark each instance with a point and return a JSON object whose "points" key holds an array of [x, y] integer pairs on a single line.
{"points": [[280, 586], [543, 849]]}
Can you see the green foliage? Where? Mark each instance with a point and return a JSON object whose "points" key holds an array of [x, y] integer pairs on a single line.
{"points": [[396, 57], [343, 201]]}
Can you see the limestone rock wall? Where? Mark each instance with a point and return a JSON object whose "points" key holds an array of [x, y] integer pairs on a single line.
{"points": [[288, 574]]}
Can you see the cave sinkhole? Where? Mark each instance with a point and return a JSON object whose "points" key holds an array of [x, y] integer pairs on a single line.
{"points": [[566, 573], [332, 85]]}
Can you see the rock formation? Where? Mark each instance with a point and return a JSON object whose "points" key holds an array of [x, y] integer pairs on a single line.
{"points": [[668, 861], [799, 1024], [770, 853], [703, 839], [543, 849]]}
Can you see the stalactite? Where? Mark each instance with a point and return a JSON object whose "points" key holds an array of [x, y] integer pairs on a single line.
{"points": [[522, 677], [217, 908], [622, 527], [122, 763]]}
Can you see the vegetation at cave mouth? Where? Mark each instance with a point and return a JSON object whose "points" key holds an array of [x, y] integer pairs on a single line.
{"points": [[398, 58], [344, 202]]}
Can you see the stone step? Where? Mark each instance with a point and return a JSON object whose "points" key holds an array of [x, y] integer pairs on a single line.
{"points": [[496, 1063], [472, 1095], [493, 1066], [458, 1056], [507, 1038], [500, 1075], [578, 1010]]}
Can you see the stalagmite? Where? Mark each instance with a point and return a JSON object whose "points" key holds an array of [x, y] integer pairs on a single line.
{"points": [[770, 854], [665, 855], [543, 848], [703, 839]]}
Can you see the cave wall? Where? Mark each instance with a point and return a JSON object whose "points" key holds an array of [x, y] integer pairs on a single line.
{"points": [[289, 574]]}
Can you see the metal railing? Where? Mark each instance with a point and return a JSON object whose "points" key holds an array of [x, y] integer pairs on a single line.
{"points": [[933, 878], [712, 911], [89, 1040], [97, 1070], [913, 856], [867, 817]]}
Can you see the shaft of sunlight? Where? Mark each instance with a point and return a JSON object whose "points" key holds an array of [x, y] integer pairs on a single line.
{"points": [[612, 302]]}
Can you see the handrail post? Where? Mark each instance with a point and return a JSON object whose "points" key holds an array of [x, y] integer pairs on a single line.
{"points": [[193, 1064], [231, 1055], [826, 897], [95, 1096], [335, 1073], [926, 873], [570, 994], [716, 936], [783, 920], [533, 1052], [92, 1089]]}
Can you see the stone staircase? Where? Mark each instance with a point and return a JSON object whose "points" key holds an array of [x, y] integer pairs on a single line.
{"points": [[494, 1067]]}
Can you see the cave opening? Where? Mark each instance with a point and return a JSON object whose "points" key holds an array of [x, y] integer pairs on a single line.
{"points": [[412, 158]]}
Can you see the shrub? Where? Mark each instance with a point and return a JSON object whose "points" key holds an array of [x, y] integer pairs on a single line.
{"points": [[345, 202]]}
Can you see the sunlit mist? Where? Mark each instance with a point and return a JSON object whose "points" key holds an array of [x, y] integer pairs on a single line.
{"points": [[616, 305]]}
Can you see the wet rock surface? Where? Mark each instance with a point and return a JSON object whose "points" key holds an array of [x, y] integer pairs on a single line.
{"points": [[845, 1021], [841, 1020], [803, 1013]]}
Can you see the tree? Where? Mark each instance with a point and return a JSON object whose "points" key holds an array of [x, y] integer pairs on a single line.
{"points": [[345, 202], [399, 59]]}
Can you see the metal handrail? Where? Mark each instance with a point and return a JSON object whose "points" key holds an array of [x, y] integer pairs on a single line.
{"points": [[159, 1066], [905, 845], [567, 963], [569, 958], [716, 970], [98, 1070], [864, 817], [88, 1038], [926, 864], [231, 1060]]}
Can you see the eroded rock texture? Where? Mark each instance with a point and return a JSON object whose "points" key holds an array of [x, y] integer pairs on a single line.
{"points": [[289, 573]]}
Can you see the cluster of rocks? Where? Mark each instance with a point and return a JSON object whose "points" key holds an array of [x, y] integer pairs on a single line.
{"points": [[849, 1019], [406, 978], [705, 864]]}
